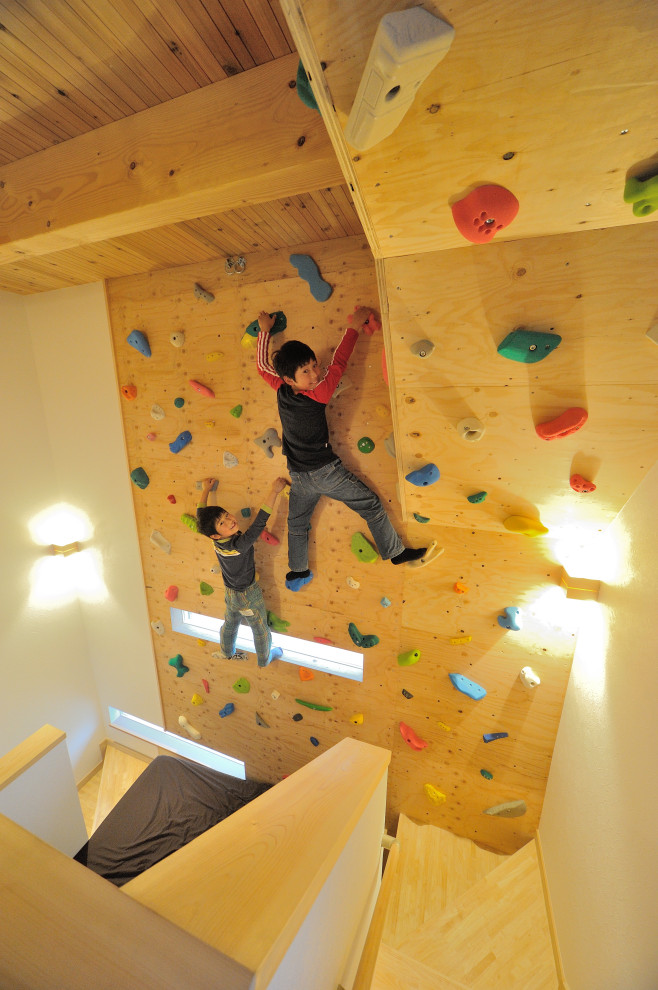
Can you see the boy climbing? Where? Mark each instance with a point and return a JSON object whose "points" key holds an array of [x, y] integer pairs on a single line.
{"points": [[235, 553], [302, 395]]}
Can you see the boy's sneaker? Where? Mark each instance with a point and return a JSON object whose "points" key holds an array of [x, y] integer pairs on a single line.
{"points": [[238, 655], [295, 580]]}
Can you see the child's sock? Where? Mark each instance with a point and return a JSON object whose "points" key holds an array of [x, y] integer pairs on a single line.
{"points": [[295, 580], [275, 654], [408, 554]]}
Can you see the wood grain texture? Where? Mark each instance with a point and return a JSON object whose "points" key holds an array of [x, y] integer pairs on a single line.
{"points": [[120, 771], [23, 756]]}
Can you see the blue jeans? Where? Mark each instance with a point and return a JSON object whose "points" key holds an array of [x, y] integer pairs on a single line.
{"points": [[335, 481], [246, 606]]}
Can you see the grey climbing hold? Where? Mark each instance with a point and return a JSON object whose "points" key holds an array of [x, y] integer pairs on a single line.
{"points": [[158, 540], [202, 293], [268, 440], [509, 809], [229, 459], [422, 348], [309, 271], [261, 721]]}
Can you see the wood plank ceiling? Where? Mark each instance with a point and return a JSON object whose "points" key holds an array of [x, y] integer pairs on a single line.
{"points": [[68, 67]]}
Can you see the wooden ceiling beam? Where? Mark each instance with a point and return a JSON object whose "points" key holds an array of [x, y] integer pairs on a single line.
{"points": [[245, 139]]}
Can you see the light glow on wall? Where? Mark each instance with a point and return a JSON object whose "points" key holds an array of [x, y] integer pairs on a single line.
{"points": [[57, 580]]}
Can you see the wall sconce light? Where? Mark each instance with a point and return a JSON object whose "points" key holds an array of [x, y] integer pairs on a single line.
{"points": [[583, 589], [65, 550]]}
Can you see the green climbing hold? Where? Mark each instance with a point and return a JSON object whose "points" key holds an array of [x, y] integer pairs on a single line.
{"points": [[487, 774], [242, 686], [365, 642], [643, 194], [366, 445], [179, 402], [277, 624], [206, 589], [421, 519], [304, 90], [363, 550], [280, 324], [139, 477], [478, 497], [245, 512], [190, 521], [528, 346], [236, 411], [408, 658], [177, 662], [316, 708]]}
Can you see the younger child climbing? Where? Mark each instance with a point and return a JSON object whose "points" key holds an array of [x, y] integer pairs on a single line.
{"points": [[235, 553], [302, 393]]}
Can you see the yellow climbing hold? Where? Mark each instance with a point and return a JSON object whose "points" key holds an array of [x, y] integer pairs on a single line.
{"points": [[356, 719], [459, 640], [214, 356], [434, 794], [248, 341], [524, 525], [197, 699], [382, 412], [442, 725], [210, 424]]}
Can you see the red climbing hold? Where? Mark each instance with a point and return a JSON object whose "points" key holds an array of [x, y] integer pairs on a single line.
{"points": [[488, 209], [322, 639], [172, 499], [269, 538], [205, 685], [569, 422], [202, 389], [171, 594], [411, 738], [580, 484]]}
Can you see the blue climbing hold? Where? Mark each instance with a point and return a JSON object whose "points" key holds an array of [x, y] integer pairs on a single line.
{"points": [[490, 736], [473, 690], [181, 441], [309, 271], [138, 340], [424, 476], [511, 619], [228, 709], [316, 742]]}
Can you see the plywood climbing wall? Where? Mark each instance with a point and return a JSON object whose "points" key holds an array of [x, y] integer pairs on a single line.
{"points": [[426, 612]]}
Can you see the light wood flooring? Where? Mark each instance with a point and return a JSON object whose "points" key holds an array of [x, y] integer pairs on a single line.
{"points": [[120, 768]]}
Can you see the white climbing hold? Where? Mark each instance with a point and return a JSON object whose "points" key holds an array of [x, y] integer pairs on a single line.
{"points": [[529, 678], [158, 540], [157, 412], [510, 809], [158, 627], [351, 583], [470, 429], [229, 459], [191, 731], [177, 338]]}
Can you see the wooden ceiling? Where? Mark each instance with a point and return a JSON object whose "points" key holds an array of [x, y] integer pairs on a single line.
{"points": [[70, 67]]}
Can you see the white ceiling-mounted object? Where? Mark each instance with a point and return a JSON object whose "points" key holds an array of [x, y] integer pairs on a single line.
{"points": [[407, 46]]}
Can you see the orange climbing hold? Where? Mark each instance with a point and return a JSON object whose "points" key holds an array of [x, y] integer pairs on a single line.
{"points": [[129, 392], [569, 422], [171, 594], [580, 484], [460, 588], [411, 738], [305, 674], [202, 389]]}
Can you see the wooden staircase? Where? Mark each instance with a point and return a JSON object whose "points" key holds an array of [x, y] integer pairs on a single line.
{"points": [[463, 918]]}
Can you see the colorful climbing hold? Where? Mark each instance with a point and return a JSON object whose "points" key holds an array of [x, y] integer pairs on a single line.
{"points": [[511, 619], [229, 460], [422, 348], [487, 774], [357, 719], [365, 642], [171, 594], [236, 412], [190, 521], [280, 324], [158, 540], [385, 602], [177, 338], [432, 553], [643, 194], [491, 736], [138, 340], [371, 325], [434, 794], [529, 678], [206, 589], [460, 640], [323, 639], [442, 725], [139, 477], [483, 212], [411, 738], [246, 512], [151, 436], [129, 392], [269, 538], [242, 686], [460, 588], [261, 721], [366, 445], [312, 704], [197, 699], [421, 519], [177, 662], [305, 674], [524, 525], [407, 694], [309, 271], [478, 497], [362, 549], [202, 389], [424, 476], [158, 627], [179, 401], [316, 742], [206, 686], [275, 695], [268, 440], [408, 658], [214, 356], [274, 622], [570, 421], [157, 412], [528, 346], [181, 441], [202, 293], [467, 687], [191, 731], [581, 485], [351, 583], [303, 87], [172, 499], [510, 809], [228, 709]]}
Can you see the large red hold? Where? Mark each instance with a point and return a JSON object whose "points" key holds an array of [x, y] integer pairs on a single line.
{"points": [[486, 210]]}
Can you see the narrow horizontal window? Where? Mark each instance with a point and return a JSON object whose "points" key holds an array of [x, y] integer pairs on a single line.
{"points": [[301, 652], [176, 744]]}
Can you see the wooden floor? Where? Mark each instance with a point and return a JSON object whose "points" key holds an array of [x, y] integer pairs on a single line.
{"points": [[120, 768]]}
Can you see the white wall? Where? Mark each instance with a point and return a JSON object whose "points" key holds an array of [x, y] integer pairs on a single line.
{"points": [[598, 826], [63, 441]]}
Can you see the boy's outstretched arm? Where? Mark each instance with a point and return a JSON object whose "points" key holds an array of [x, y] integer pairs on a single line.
{"points": [[327, 387], [265, 369], [206, 487], [249, 537]]}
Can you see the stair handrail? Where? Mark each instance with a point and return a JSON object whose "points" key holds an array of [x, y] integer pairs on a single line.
{"points": [[368, 961]]}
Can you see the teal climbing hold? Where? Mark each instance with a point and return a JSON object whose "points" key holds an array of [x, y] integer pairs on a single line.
{"points": [[138, 340], [246, 512], [309, 271], [177, 662], [366, 445], [478, 497], [643, 194], [139, 477], [280, 324], [470, 688], [236, 412], [242, 686], [304, 90], [206, 589], [179, 402], [363, 550], [528, 346], [421, 519], [487, 774], [365, 642]]}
